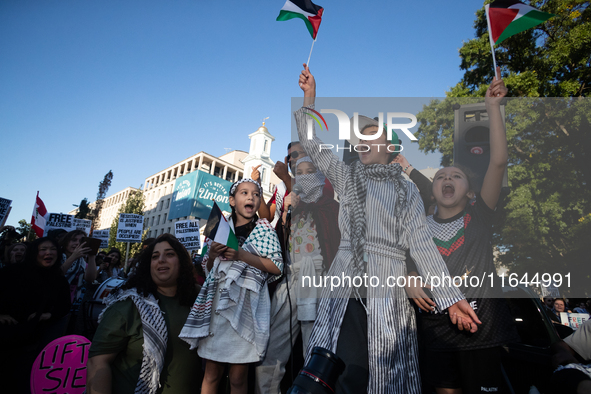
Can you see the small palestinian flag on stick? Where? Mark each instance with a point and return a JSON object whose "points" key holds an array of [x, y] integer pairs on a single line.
{"points": [[508, 17], [309, 12], [218, 229]]}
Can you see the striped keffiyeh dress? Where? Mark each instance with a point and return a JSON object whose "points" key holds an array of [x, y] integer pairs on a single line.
{"points": [[380, 217]]}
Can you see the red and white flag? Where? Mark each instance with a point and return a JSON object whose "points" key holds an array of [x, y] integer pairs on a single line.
{"points": [[40, 216]]}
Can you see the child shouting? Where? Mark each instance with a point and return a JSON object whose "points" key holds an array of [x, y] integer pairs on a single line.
{"points": [[235, 290]]}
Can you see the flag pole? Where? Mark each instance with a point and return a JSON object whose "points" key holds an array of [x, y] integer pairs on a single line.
{"points": [[308, 62], [490, 39], [310, 55]]}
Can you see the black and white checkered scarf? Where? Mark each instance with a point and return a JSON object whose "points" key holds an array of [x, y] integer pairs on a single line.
{"points": [[312, 184], [155, 337], [360, 173]]}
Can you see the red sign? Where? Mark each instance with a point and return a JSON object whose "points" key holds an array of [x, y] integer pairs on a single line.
{"points": [[477, 150]]}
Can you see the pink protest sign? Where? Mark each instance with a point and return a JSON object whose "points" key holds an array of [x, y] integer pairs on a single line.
{"points": [[61, 367]]}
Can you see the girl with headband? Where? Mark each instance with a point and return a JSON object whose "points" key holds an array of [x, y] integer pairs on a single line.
{"points": [[229, 322]]}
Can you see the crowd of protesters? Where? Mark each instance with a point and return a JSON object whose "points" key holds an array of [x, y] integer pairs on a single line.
{"points": [[231, 317]]}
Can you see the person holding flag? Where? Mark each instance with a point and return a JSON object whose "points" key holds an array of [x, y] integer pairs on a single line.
{"points": [[243, 255], [372, 328]]}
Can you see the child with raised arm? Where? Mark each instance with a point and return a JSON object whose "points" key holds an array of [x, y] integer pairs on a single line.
{"points": [[229, 323], [380, 217], [462, 231]]}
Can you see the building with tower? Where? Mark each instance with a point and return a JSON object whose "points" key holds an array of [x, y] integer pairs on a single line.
{"points": [[158, 188], [260, 154]]}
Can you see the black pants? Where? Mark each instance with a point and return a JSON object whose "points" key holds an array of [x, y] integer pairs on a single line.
{"points": [[352, 349]]}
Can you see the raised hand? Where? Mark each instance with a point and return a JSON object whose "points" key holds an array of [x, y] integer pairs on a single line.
{"points": [[496, 90], [81, 250], [307, 82], [255, 175], [281, 170], [400, 159]]}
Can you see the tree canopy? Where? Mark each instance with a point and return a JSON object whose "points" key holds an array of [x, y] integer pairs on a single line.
{"points": [[100, 197], [84, 211], [548, 211]]}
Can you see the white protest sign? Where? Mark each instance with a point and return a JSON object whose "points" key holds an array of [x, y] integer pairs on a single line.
{"points": [[4, 209], [187, 232], [130, 228], [59, 221], [103, 235], [573, 320], [83, 224]]}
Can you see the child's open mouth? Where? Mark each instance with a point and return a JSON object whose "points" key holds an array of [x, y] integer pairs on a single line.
{"points": [[249, 208], [448, 190]]}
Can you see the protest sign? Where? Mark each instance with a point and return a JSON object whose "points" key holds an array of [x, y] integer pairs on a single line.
{"points": [[59, 221], [187, 232], [83, 224], [60, 368], [4, 210], [103, 235], [194, 193], [130, 227], [573, 320]]}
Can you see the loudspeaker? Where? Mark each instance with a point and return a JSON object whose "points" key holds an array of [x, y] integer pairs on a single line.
{"points": [[471, 140]]}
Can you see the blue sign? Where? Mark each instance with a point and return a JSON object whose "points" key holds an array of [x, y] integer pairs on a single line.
{"points": [[183, 195], [211, 188], [194, 193]]}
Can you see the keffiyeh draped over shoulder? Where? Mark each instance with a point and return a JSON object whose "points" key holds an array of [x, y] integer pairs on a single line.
{"points": [[244, 298], [155, 337]]}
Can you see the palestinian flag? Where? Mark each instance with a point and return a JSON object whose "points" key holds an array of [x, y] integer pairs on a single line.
{"points": [[304, 9], [39, 218], [218, 229], [508, 17]]}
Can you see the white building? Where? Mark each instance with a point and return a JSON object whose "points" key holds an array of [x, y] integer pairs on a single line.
{"points": [[158, 188], [259, 154], [232, 166]]}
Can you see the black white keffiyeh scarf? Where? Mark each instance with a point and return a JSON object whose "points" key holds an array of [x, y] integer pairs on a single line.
{"points": [[155, 337], [360, 173], [312, 184]]}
